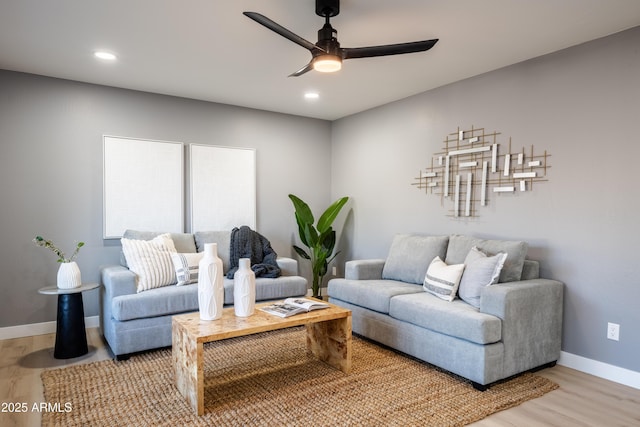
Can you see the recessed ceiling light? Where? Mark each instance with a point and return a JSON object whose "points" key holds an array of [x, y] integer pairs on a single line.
{"points": [[311, 95], [101, 54]]}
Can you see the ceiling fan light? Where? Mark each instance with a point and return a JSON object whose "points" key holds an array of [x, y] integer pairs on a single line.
{"points": [[327, 63]]}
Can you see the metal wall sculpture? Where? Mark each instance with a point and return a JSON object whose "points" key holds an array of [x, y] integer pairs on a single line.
{"points": [[474, 164]]}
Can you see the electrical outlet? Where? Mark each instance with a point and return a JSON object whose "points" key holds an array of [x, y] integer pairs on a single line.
{"points": [[613, 331], [334, 271]]}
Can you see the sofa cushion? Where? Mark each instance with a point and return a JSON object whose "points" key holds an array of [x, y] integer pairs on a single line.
{"points": [[186, 267], [151, 261], [179, 299], [459, 247], [183, 242], [222, 238], [371, 294], [442, 280], [410, 256], [531, 270], [271, 289], [457, 318], [156, 302], [480, 271]]}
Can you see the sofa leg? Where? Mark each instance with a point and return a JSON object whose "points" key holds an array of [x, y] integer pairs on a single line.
{"points": [[122, 357], [479, 387]]}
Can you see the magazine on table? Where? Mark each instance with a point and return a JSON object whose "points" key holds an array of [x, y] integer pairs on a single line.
{"points": [[292, 306]]}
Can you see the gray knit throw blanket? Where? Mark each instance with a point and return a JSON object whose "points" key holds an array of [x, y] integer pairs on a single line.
{"points": [[246, 243]]}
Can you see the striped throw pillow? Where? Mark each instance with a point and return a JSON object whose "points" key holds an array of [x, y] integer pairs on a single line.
{"points": [[442, 280], [151, 261], [186, 267]]}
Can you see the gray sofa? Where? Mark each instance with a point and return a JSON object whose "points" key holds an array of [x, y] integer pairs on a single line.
{"points": [[133, 322], [515, 327]]}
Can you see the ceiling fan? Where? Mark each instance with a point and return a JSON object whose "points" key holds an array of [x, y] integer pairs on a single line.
{"points": [[327, 55]]}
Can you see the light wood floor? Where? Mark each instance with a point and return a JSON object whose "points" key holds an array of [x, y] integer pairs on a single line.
{"points": [[581, 400]]}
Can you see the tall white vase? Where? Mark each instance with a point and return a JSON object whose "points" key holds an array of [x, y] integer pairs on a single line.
{"points": [[69, 276], [244, 289], [210, 284]]}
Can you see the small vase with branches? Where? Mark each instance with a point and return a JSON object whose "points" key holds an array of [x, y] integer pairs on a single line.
{"points": [[69, 272]]}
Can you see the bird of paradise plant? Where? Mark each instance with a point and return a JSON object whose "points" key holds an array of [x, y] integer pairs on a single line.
{"points": [[320, 239]]}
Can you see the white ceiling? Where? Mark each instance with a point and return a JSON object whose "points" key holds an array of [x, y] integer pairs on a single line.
{"points": [[206, 49]]}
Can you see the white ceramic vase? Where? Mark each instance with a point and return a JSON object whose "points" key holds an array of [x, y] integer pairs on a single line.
{"points": [[244, 289], [210, 284], [69, 276]]}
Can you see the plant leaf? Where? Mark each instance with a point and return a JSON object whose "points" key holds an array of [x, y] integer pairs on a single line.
{"points": [[333, 257], [328, 240], [301, 227], [301, 252], [327, 218], [311, 236], [303, 211], [321, 268]]}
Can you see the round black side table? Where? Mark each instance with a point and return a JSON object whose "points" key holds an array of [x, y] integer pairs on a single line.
{"points": [[71, 337]]}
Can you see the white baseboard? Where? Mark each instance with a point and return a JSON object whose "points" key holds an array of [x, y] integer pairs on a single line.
{"points": [[600, 369], [40, 328]]}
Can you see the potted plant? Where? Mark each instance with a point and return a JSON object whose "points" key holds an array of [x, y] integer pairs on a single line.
{"points": [[320, 238], [69, 272]]}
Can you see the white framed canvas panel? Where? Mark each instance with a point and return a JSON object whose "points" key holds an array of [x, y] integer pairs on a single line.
{"points": [[143, 185], [223, 187]]}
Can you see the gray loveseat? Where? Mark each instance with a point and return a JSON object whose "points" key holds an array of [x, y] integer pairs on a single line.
{"points": [[134, 321], [511, 327]]}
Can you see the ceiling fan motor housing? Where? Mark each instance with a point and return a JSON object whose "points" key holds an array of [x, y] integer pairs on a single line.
{"points": [[326, 8], [327, 35], [328, 42]]}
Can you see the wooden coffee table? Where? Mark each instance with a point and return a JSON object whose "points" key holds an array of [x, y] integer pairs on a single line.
{"points": [[328, 338]]}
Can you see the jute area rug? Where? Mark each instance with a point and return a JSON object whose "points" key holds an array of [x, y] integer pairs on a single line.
{"points": [[270, 380]]}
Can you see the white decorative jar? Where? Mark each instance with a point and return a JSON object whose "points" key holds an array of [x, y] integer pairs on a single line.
{"points": [[69, 276], [210, 284], [244, 289]]}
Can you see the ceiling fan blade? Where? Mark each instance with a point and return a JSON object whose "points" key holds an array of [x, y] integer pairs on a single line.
{"points": [[277, 28], [302, 70], [389, 49]]}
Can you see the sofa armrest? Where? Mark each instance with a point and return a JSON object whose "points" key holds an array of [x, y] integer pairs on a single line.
{"points": [[531, 314], [118, 280], [364, 269], [288, 266]]}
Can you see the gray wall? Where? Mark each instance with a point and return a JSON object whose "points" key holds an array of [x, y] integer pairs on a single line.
{"points": [[582, 105], [51, 173]]}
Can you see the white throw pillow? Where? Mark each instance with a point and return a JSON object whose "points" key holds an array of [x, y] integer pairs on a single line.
{"points": [[186, 267], [442, 280], [151, 261], [480, 271]]}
